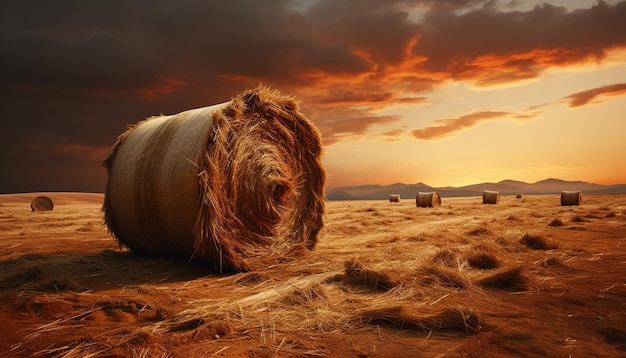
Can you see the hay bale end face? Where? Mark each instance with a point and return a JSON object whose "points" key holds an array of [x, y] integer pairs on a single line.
{"points": [[491, 197], [571, 198], [41, 203], [428, 200], [237, 185], [394, 198]]}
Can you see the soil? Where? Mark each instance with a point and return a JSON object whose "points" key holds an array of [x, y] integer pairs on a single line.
{"points": [[521, 278]]}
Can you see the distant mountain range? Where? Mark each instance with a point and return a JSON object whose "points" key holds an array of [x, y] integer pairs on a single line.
{"points": [[505, 187]]}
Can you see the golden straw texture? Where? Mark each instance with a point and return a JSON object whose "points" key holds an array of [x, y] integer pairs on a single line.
{"points": [[237, 185]]}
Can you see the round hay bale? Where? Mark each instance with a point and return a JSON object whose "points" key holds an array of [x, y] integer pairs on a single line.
{"points": [[394, 198], [237, 185], [570, 198], [425, 200], [491, 197], [518, 196], [41, 203]]}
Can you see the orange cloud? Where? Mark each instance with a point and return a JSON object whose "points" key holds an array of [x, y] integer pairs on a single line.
{"points": [[445, 127], [585, 97], [162, 87], [339, 123]]}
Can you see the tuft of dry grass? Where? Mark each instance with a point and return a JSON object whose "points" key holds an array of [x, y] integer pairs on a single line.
{"points": [[447, 257], [311, 296], [556, 222], [377, 280], [454, 319], [578, 219], [511, 279], [481, 231], [484, 260], [536, 242], [447, 277], [551, 262]]}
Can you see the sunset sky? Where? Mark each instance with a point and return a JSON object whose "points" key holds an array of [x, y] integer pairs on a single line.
{"points": [[444, 92]]}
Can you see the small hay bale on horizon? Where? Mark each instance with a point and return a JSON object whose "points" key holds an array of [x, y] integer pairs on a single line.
{"points": [[571, 197], [41, 203], [518, 196], [394, 198], [491, 197], [428, 199], [237, 185]]}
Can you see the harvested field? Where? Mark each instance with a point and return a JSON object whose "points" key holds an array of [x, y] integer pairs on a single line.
{"points": [[385, 280]]}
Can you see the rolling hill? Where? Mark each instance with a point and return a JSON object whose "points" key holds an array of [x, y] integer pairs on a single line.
{"points": [[505, 187]]}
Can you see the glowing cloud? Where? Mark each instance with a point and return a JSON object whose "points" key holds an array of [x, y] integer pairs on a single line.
{"points": [[585, 97], [445, 127]]}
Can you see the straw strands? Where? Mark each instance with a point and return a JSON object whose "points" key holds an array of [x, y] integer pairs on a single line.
{"points": [[425, 200], [41, 203], [236, 185], [570, 198], [491, 197]]}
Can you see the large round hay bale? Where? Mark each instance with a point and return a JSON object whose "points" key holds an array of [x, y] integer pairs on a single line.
{"points": [[394, 198], [430, 199], [491, 197], [570, 198], [238, 185], [41, 203]]}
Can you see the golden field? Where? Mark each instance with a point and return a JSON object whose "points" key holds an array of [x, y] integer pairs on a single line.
{"points": [[521, 278]]}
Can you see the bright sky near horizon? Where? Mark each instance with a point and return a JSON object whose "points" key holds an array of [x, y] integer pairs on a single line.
{"points": [[447, 92]]}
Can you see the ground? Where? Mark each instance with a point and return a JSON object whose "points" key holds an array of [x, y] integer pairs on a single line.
{"points": [[521, 278]]}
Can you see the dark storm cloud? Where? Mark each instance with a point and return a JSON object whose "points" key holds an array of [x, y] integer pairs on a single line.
{"points": [[487, 46], [74, 73]]}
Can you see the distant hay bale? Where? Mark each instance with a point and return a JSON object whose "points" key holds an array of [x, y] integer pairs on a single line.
{"points": [[394, 198], [518, 196], [570, 198], [237, 185], [491, 197], [41, 203], [428, 200]]}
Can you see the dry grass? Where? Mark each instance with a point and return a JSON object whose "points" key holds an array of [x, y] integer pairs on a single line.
{"points": [[536, 242], [556, 222], [484, 260], [456, 319], [427, 286], [512, 279], [378, 280]]}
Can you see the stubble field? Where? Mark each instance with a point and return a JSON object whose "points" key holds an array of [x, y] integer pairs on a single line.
{"points": [[521, 278]]}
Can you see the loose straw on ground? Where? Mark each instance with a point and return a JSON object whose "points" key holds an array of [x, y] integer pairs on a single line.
{"points": [[236, 185]]}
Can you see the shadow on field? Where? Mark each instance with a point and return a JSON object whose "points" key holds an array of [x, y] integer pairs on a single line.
{"points": [[76, 272]]}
